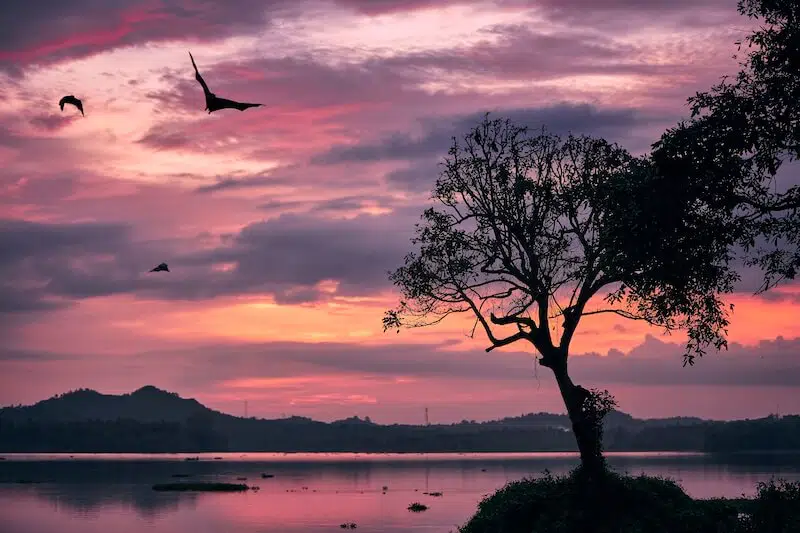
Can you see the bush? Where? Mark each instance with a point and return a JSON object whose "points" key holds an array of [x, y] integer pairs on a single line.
{"points": [[608, 503], [776, 509]]}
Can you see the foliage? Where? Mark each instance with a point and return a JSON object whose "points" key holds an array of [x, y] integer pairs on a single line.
{"points": [[530, 228], [118, 436], [610, 503], [596, 406], [759, 106], [625, 504], [769, 433], [776, 509], [741, 132]]}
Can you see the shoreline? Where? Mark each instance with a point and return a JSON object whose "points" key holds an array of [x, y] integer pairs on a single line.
{"points": [[343, 454], [290, 456]]}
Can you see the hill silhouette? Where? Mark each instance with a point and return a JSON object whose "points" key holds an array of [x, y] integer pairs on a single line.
{"points": [[147, 404], [153, 420], [150, 404]]}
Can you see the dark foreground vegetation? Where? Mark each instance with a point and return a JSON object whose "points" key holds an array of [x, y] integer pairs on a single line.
{"points": [[150, 420], [614, 503]]}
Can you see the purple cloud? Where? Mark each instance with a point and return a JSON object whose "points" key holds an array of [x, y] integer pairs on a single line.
{"points": [[653, 363], [53, 30], [285, 257], [437, 138]]}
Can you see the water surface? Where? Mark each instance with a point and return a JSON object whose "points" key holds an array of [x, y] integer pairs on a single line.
{"points": [[313, 492]]}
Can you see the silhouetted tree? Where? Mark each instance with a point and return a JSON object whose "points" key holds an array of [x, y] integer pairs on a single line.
{"points": [[529, 220], [525, 234]]}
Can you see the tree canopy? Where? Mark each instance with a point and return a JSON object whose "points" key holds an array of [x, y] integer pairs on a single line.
{"points": [[741, 133], [529, 228]]}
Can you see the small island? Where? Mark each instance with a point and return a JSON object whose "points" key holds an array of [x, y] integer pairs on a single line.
{"points": [[200, 487]]}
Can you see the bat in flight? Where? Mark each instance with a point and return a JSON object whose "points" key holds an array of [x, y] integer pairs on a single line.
{"points": [[70, 99], [214, 102]]}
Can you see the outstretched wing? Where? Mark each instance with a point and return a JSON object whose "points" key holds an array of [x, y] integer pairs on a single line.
{"points": [[241, 106], [198, 77], [233, 104]]}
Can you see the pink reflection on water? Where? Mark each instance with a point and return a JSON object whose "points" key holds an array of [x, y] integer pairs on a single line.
{"points": [[309, 492]]}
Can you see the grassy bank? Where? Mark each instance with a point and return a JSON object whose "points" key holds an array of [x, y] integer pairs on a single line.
{"points": [[615, 503]]}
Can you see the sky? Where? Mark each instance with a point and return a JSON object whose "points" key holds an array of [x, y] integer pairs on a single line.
{"points": [[280, 223]]}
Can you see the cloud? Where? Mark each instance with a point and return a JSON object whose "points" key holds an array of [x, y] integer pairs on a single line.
{"points": [[161, 137], [289, 176], [652, 363], [23, 153], [25, 300], [52, 122], [342, 96], [383, 7], [641, 6], [417, 177], [227, 184], [780, 294], [618, 13], [770, 363], [334, 207], [301, 83], [50, 31], [437, 137], [521, 54], [280, 377], [637, 6], [291, 258], [32, 356], [43, 264], [655, 362], [21, 239]]}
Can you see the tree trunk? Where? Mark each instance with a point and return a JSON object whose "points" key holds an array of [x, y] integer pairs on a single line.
{"points": [[585, 426]]}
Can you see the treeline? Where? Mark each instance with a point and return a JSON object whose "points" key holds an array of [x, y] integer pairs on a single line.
{"points": [[302, 435], [117, 436]]}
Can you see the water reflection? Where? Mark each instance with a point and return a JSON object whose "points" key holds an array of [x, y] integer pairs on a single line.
{"points": [[86, 499], [314, 493]]}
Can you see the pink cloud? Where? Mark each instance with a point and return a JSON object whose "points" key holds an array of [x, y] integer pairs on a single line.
{"points": [[336, 380], [46, 34]]}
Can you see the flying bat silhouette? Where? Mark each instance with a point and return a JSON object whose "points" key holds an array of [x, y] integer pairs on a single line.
{"points": [[70, 99], [213, 102], [161, 268]]}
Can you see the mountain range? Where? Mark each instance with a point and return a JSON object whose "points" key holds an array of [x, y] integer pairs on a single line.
{"points": [[153, 420]]}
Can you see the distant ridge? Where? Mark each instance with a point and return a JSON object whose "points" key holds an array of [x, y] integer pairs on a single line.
{"points": [[147, 404], [151, 404], [151, 420]]}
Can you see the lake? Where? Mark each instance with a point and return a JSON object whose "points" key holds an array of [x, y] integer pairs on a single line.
{"points": [[98, 493]]}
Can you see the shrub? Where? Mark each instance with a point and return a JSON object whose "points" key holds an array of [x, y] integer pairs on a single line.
{"points": [[608, 503]]}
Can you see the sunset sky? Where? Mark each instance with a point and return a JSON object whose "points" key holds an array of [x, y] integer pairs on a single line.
{"points": [[280, 223]]}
